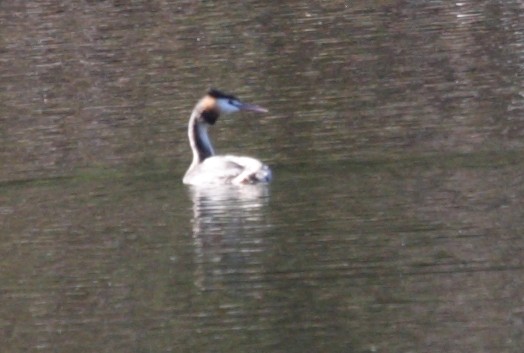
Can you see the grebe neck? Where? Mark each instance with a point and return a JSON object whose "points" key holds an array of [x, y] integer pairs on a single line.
{"points": [[199, 139]]}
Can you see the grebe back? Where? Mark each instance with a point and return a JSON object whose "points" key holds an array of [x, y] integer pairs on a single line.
{"points": [[207, 168]]}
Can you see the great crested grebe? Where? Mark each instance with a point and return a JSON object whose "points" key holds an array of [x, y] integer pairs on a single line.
{"points": [[207, 168]]}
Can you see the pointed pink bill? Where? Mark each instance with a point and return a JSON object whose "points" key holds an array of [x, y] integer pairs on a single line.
{"points": [[252, 108]]}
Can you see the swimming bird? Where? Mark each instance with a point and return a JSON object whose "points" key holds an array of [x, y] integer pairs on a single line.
{"points": [[208, 168]]}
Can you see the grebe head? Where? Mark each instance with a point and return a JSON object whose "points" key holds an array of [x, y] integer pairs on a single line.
{"points": [[216, 102], [227, 103]]}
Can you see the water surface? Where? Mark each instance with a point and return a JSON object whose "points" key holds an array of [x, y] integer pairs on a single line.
{"points": [[394, 223]]}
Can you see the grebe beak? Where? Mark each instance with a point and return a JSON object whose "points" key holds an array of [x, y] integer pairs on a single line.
{"points": [[252, 108]]}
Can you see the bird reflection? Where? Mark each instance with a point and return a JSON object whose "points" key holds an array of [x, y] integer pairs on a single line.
{"points": [[228, 227]]}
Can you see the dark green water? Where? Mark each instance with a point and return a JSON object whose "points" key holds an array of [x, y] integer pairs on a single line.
{"points": [[394, 223]]}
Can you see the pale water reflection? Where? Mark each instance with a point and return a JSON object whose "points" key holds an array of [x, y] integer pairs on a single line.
{"points": [[229, 227]]}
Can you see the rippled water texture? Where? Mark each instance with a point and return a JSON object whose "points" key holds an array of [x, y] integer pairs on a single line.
{"points": [[395, 133]]}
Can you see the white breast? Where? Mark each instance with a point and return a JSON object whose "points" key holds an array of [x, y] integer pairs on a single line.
{"points": [[228, 170]]}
